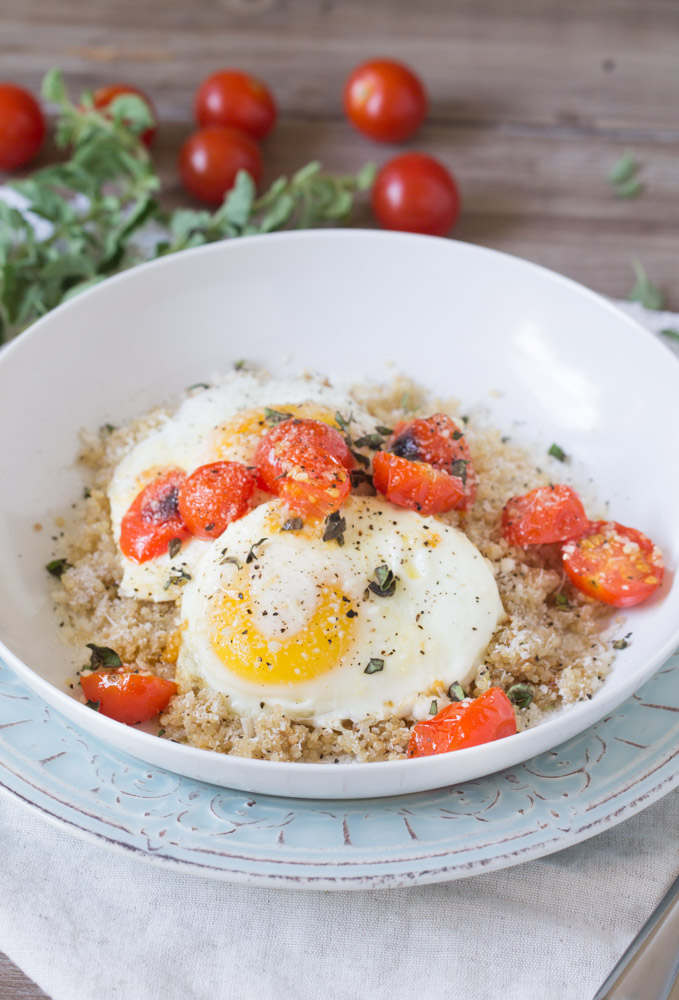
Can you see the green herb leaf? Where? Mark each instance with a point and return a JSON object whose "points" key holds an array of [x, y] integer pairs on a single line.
{"points": [[57, 567], [456, 692], [252, 556], [231, 559], [102, 656], [629, 189], [433, 708], [161, 732], [623, 169], [622, 643], [520, 695], [373, 441], [459, 469], [198, 385], [178, 579], [334, 528], [384, 431], [557, 452], [343, 422], [275, 416], [293, 524], [561, 601], [645, 291], [669, 332], [384, 584], [94, 705], [375, 664], [239, 366], [174, 547]]}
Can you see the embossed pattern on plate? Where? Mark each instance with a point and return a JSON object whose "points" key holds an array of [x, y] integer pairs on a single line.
{"points": [[593, 781]]}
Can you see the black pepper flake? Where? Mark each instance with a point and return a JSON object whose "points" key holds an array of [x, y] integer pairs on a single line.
{"points": [[351, 613]]}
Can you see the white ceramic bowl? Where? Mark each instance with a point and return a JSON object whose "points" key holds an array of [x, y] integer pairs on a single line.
{"points": [[549, 359]]}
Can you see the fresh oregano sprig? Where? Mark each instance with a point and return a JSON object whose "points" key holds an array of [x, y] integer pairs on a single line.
{"points": [[98, 200]]}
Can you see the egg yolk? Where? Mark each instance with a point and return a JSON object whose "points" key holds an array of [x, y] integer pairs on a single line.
{"points": [[282, 659], [252, 424]]}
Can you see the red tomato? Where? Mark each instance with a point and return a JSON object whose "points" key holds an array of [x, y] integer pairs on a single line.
{"points": [[22, 127], [104, 96], [464, 724], [307, 464], [439, 441], [546, 514], [613, 564], [416, 194], [230, 97], [385, 100], [416, 485], [153, 519], [210, 159], [213, 496], [128, 697]]}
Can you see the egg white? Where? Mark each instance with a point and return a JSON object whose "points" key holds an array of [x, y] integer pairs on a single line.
{"points": [[237, 616], [206, 429]]}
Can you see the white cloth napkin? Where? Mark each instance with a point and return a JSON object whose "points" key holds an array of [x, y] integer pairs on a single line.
{"points": [[89, 924]]}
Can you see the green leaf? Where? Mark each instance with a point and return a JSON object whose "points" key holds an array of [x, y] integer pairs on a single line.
{"points": [[57, 567], [456, 692], [623, 169], [671, 333], [644, 291], [132, 111], [365, 177], [520, 695], [375, 665], [103, 656], [557, 452], [629, 189], [238, 203], [53, 87]]}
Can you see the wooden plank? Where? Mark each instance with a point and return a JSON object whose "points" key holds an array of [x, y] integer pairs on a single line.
{"points": [[604, 64], [14, 985]]}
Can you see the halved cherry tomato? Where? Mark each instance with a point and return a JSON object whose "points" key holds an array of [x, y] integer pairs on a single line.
{"points": [[240, 100], [613, 564], [213, 496], [416, 194], [464, 724], [210, 159], [153, 519], [104, 96], [307, 464], [128, 697], [439, 441], [416, 485], [546, 514], [385, 100], [22, 126]]}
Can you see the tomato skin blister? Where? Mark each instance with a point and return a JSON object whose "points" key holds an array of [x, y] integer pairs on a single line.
{"points": [[614, 564], [153, 518]]}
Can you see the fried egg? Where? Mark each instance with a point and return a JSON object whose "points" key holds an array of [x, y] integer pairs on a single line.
{"points": [[358, 625], [223, 422]]}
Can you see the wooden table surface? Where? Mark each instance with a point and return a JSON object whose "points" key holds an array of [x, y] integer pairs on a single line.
{"points": [[531, 103]]}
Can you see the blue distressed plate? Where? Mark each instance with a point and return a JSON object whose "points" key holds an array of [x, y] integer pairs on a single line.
{"points": [[616, 768]]}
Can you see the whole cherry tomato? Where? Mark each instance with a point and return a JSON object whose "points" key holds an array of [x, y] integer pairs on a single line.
{"points": [[546, 514], [22, 127], [464, 724], [306, 463], [385, 100], [104, 96], [127, 697], [213, 496], [153, 519], [211, 158], [617, 565], [240, 100], [416, 194]]}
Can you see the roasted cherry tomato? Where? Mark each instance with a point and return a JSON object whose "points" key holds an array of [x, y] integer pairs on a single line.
{"points": [[307, 464], [546, 514], [613, 564], [385, 100], [240, 100], [416, 194], [213, 496], [127, 697], [104, 96], [210, 159], [22, 127], [153, 519], [416, 485], [439, 441], [464, 724]]}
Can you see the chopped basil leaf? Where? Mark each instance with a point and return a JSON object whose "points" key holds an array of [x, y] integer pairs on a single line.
{"points": [[645, 291], [335, 526], [456, 692], [385, 584], [459, 469], [363, 459], [94, 705], [373, 441], [275, 416], [433, 708], [374, 666], [359, 476], [561, 601], [293, 524], [231, 559], [520, 695], [198, 385], [102, 656], [58, 566], [622, 643], [623, 169], [179, 578], [557, 452], [174, 547], [457, 435], [384, 431], [109, 428], [343, 422], [239, 365], [161, 732], [251, 556]]}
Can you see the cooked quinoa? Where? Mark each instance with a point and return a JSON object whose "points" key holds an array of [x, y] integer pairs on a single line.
{"points": [[552, 639]]}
